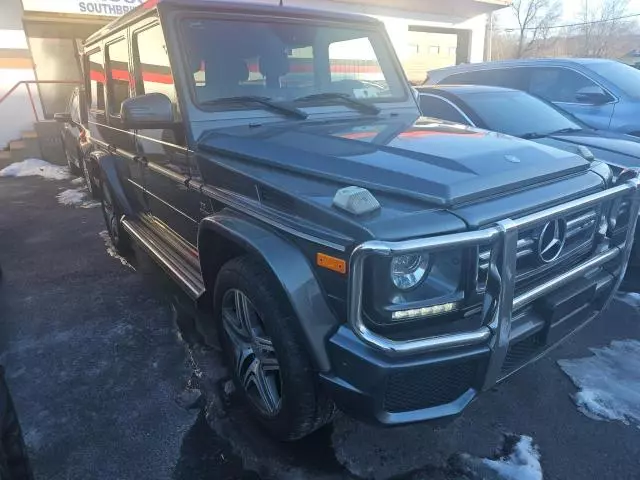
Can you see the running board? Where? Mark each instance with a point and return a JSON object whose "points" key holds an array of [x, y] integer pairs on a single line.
{"points": [[174, 257]]}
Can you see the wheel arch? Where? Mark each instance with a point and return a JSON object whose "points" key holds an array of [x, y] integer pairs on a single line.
{"points": [[225, 235]]}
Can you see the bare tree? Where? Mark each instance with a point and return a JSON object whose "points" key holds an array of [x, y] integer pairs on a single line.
{"points": [[602, 27], [535, 19]]}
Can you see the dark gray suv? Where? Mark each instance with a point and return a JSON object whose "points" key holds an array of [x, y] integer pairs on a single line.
{"points": [[349, 252]]}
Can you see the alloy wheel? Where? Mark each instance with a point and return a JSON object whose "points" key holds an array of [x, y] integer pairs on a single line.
{"points": [[255, 362]]}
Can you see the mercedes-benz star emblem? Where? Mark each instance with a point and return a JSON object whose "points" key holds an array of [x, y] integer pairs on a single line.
{"points": [[551, 241]]}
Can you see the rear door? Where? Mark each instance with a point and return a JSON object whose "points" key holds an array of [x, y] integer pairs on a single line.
{"points": [[560, 85]]}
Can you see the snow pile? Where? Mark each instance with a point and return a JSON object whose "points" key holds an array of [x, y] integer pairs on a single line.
{"points": [[609, 382], [35, 167], [78, 181], [519, 460], [76, 197], [111, 249], [630, 298], [523, 463]]}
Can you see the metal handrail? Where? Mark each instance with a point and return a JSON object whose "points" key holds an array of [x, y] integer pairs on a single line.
{"points": [[28, 83]]}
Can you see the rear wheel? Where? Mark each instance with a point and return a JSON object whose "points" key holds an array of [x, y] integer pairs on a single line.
{"points": [[112, 214], [92, 187], [73, 168], [267, 359]]}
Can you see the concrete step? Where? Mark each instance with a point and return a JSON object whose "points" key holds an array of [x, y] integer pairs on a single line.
{"points": [[17, 144], [29, 135], [5, 158]]}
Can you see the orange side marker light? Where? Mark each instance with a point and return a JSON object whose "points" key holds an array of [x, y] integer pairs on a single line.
{"points": [[331, 263]]}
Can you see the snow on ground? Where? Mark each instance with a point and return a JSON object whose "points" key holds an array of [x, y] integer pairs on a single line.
{"points": [[519, 460], [630, 298], [78, 181], [609, 382], [35, 167], [111, 249], [76, 197]]}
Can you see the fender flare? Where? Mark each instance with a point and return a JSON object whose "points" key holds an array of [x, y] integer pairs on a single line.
{"points": [[107, 166], [292, 269]]}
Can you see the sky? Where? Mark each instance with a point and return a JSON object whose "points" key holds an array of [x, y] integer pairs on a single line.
{"points": [[571, 11]]}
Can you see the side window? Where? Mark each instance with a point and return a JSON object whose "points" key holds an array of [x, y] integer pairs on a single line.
{"points": [[152, 63], [74, 107], [96, 81], [119, 77], [557, 84], [435, 107], [494, 77]]}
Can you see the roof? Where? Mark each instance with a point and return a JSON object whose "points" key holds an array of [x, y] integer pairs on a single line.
{"points": [[221, 6], [463, 89], [520, 62]]}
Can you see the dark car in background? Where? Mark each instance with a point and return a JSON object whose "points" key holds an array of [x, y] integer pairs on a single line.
{"points": [[522, 115], [604, 94], [74, 136]]}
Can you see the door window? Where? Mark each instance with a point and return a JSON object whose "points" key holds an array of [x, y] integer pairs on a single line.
{"points": [[152, 63], [96, 81], [119, 76], [508, 78], [435, 107], [557, 84]]}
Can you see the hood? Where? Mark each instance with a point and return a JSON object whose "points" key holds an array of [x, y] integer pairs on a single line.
{"points": [[610, 147], [443, 164]]}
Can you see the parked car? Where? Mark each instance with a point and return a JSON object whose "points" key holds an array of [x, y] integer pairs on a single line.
{"points": [[604, 94], [350, 253], [522, 115], [74, 137]]}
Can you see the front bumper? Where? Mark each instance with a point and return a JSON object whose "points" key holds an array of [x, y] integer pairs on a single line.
{"points": [[395, 382]]}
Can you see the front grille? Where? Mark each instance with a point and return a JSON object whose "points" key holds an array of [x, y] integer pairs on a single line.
{"points": [[429, 386], [521, 352], [580, 233]]}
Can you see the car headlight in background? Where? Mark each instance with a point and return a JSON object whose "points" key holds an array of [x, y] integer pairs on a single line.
{"points": [[407, 271]]}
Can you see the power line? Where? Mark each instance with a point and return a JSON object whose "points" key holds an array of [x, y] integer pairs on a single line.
{"points": [[625, 17]]}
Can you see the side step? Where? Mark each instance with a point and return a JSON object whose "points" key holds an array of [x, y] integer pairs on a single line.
{"points": [[176, 257]]}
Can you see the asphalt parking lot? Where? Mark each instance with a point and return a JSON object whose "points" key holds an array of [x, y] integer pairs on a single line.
{"points": [[102, 377]]}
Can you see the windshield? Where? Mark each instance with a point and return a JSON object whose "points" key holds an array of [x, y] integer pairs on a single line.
{"points": [[517, 113], [623, 76], [287, 61]]}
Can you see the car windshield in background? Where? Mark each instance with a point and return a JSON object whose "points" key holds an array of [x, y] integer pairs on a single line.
{"points": [[517, 113], [283, 62], [623, 76]]}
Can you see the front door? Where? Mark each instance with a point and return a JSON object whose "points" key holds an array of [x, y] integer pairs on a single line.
{"points": [[165, 153]]}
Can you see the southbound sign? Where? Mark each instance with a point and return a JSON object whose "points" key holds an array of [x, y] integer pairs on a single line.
{"points": [[111, 8]]}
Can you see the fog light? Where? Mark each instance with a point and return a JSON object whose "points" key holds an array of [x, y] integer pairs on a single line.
{"points": [[424, 311]]}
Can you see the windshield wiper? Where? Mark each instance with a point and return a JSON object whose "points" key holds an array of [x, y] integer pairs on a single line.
{"points": [[264, 101], [344, 98], [535, 135]]}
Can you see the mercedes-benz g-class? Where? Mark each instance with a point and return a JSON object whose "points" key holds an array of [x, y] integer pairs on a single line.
{"points": [[351, 253]]}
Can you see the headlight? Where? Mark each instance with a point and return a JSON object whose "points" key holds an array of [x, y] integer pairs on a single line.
{"points": [[407, 271]]}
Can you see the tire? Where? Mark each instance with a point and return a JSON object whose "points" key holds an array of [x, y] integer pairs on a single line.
{"points": [[72, 166], [89, 180], [295, 406], [112, 214]]}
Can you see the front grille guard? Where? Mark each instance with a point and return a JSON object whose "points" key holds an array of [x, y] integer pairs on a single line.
{"points": [[499, 300]]}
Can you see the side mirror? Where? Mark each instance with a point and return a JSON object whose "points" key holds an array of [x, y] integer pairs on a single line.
{"points": [[153, 110], [62, 117], [592, 96]]}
